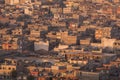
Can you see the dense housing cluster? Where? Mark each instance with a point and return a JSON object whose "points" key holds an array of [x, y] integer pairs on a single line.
{"points": [[60, 39]]}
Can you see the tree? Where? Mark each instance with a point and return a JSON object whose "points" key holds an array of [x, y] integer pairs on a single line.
{"points": [[30, 77], [13, 74]]}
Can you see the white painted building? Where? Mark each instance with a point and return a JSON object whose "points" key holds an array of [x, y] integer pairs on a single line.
{"points": [[41, 45], [28, 11], [14, 2], [107, 42], [60, 47]]}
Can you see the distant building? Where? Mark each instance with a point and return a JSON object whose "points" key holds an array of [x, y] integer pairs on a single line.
{"points": [[28, 11], [8, 66], [17, 31], [41, 45], [103, 32], [85, 75], [14, 2], [11, 2], [67, 10], [116, 47], [10, 46], [98, 1], [64, 36], [108, 43], [60, 47], [85, 41], [35, 33]]}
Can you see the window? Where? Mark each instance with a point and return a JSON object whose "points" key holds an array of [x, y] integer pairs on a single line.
{"points": [[9, 68], [9, 46], [4, 68], [13, 68]]}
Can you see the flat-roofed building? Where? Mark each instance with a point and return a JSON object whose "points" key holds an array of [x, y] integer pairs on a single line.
{"points": [[103, 32], [14, 2], [41, 45]]}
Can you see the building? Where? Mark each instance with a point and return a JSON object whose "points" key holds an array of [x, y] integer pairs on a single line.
{"points": [[85, 41], [35, 33], [17, 31], [12, 2], [85, 75], [7, 67], [64, 37], [15, 2], [108, 43], [98, 1], [67, 10], [41, 45], [60, 47], [103, 32], [116, 47], [28, 11], [8, 46]]}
